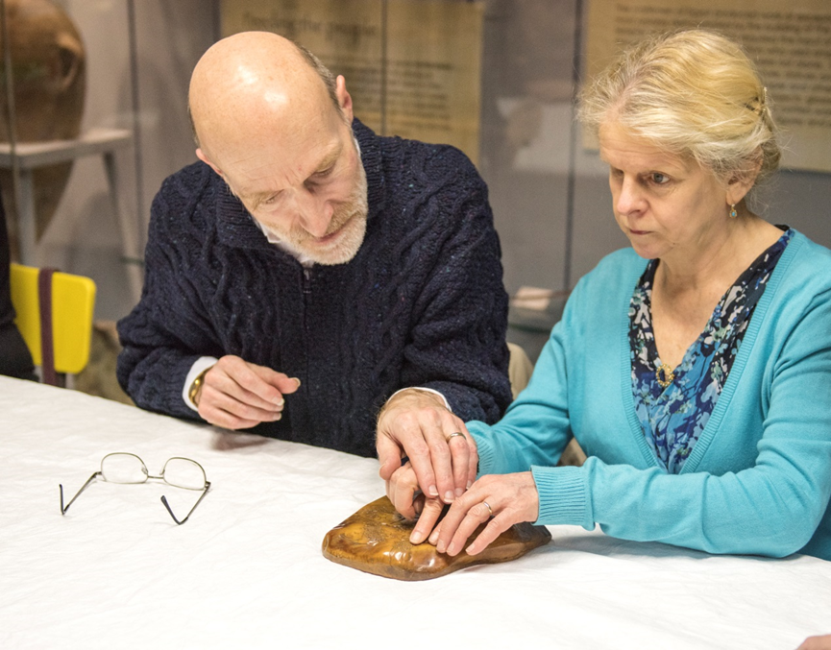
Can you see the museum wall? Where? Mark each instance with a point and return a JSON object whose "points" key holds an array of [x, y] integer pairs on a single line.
{"points": [[549, 194]]}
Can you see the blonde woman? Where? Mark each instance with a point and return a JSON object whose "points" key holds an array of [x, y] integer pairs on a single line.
{"points": [[693, 368]]}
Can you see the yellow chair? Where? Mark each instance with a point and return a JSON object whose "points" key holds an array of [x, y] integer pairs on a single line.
{"points": [[73, 303]]}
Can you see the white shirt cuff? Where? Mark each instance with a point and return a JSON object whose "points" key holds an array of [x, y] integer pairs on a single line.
{"points": [[198, 366], [428, 390]]}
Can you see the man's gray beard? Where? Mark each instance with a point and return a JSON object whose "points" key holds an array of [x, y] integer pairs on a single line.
{"points": [[352, 218]]}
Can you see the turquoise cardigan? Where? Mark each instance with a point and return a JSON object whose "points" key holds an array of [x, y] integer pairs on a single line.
{"points": [[759, 478]]}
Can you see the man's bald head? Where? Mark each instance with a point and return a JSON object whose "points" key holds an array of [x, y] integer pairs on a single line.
{"points": [[271, 121], [247, 84]]}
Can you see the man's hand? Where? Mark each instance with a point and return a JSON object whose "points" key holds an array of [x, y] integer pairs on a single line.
{"points": [[416, 424], [237, 395]]}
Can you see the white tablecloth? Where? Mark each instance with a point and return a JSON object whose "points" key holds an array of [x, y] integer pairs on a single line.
{"points": [[246, 570]]}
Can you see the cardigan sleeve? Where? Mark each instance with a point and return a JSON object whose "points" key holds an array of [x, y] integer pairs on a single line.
{"points": [[535, 429], [537, 426]]}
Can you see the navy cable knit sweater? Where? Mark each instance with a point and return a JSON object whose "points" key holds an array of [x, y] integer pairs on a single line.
{"points": [[421, 304]]}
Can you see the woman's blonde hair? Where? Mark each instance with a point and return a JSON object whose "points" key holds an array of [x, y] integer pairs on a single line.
{"points": [[694, 93]]}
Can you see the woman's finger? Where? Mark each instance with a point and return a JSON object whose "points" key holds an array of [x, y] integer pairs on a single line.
{"points": [[494, 529], [475, 517], [457, 514]]}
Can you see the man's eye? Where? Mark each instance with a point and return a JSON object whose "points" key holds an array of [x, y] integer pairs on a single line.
{"points": [[658, 178], [324, 173]]}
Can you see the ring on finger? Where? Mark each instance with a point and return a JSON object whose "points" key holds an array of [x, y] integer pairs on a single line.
{"points": [[454, 434], [490, 510]]}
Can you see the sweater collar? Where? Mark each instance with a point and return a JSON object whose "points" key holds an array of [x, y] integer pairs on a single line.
{"points": [[237, 228]]}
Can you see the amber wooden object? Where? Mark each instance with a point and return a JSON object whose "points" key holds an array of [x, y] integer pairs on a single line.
{"points": [[376, 539]]}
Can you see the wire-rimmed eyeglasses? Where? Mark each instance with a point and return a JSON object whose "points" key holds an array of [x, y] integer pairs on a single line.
{"points": [[126, 468]]}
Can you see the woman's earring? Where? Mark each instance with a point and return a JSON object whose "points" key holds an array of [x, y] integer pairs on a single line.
{"points": [[733, 213]]}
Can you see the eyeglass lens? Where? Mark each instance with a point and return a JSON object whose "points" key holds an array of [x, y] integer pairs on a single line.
{"points": [[122, 467], [184, 473]]}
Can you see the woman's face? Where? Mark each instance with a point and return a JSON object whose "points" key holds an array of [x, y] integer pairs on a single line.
{"points": [[668, 206]]}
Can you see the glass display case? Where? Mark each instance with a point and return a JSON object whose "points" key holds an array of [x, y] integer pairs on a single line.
{"points": [[83, 154]]}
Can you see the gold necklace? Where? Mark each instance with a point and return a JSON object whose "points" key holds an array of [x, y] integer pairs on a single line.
{"points": [[668, 375]]}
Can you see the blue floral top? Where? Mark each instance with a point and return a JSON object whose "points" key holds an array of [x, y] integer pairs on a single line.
{"points": [[673, 418]]}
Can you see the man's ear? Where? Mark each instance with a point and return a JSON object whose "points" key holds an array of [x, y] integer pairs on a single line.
{"points": [[201, 155], [344, 99]]}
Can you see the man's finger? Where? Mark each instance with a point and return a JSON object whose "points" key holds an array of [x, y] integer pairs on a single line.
{"points": [[224, 410], [404, 489], [236, 388], [440, 457], [408, 435], [249, 378], [282, 382], [473, 460], [460, 454], [389, 455], [226, 420]]}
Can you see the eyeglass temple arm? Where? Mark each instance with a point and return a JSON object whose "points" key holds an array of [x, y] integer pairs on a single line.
{"points": [[64, 508], [202, 496]]}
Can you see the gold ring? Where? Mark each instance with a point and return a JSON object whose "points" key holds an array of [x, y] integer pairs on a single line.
{"points": [[485, 503], [455, 433]]}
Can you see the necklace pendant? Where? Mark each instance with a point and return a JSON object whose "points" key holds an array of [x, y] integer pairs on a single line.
{"points": [[664, 375]]}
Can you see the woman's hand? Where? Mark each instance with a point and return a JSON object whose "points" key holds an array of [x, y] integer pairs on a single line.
{"points": [[504, 499]]}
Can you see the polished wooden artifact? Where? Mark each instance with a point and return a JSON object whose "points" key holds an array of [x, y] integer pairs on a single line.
{"points": [[376, 539]]}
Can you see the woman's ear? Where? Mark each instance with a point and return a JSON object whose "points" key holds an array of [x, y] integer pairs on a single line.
{"points": [[743, 181]]}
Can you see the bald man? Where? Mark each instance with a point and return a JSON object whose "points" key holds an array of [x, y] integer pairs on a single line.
{"points": [[306, 270]]}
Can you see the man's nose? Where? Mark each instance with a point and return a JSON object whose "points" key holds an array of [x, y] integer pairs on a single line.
{"points": [[314, 212]]}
